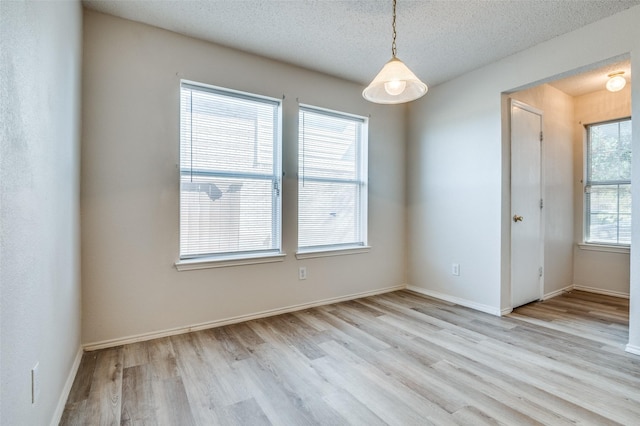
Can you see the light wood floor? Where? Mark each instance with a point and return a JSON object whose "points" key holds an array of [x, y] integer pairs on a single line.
{"points": [[398, 358]]}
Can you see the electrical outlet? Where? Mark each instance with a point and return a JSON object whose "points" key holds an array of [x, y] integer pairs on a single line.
{"points": [[455, 269], [302, 273], [35, 383]]}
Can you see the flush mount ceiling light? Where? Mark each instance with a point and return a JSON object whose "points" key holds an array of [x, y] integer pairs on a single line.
{"points": [[395, 83], [616, 82]]}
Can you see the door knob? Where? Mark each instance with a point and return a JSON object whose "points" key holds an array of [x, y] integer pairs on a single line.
{"points": [[517, 218]]}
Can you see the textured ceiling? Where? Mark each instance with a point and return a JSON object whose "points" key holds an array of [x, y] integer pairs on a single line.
{"points": [[592, 80], [438, 40]]}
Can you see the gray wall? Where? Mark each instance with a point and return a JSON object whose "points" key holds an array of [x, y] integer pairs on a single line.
{"points": [[40, 78], [130, 194]]}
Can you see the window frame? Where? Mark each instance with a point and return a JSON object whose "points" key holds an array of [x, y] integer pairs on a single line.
{"points": [[362, 180], [588, 244], [231, 258]]}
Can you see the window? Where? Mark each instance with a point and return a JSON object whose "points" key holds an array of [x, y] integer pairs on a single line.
{"points": [[230, 173], [332, 180], [608, 183]]}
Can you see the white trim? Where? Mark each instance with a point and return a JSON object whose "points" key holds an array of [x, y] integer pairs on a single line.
{"points": [[632, 349], [274, 175], [332, 252], [458, 301], [233, 320], [601, 291], [586, 208], [547, 296], [332, 112], [605, 248], [556, 293], [360, 179], [64, 395], [526, 107], [505, 311], [222, 262], [219, 90], [542, 187]]}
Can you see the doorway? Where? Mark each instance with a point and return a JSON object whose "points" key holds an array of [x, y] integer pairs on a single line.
{"points": [[569, 105]]}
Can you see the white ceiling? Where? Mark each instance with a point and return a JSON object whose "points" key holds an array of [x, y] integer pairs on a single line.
{"points": [[351, 39], [592, 79]]}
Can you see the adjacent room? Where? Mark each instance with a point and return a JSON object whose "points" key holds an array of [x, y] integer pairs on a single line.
{"points": [[216, 212]]}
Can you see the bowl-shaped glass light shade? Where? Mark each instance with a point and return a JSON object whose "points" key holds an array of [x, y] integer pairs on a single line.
{"points": [[616, 83], [394, 84]]}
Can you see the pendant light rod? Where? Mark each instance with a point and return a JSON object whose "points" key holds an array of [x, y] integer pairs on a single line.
{"points": [[393, 44], [395, 83]]}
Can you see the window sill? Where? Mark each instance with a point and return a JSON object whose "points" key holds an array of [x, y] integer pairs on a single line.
{"points": [[310, 254], [605, 248], [223, 262]]}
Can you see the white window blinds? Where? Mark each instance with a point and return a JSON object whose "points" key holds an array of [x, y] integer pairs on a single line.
{"points": [[608, 183], [229, 172], [332, 180]]}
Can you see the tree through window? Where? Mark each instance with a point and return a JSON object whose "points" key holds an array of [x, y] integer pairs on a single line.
{"points": [[608, 183]]}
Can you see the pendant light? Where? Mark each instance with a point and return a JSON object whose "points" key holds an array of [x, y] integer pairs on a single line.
{"points": [[395, 83], [616, 82]]}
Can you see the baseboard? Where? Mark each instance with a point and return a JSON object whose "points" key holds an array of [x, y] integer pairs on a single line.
{"points": [[601, 291], [457, 300], [233, 320], [632, 349], [64, 396], [557, 292], [505, 311]]}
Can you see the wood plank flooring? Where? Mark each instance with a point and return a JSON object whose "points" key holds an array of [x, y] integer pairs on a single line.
{"points": [[398, 358]]}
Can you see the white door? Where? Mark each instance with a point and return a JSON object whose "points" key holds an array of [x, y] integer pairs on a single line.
{"points": [[526, 204]]}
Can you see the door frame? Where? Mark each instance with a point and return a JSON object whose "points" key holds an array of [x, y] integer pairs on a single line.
{"points": [[541, 241]]}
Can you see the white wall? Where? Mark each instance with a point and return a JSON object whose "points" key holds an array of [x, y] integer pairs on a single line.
{"points": [[634, 286], [454, 191], [597, 270], [40, 54], [130, 193], [458, 199]]}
